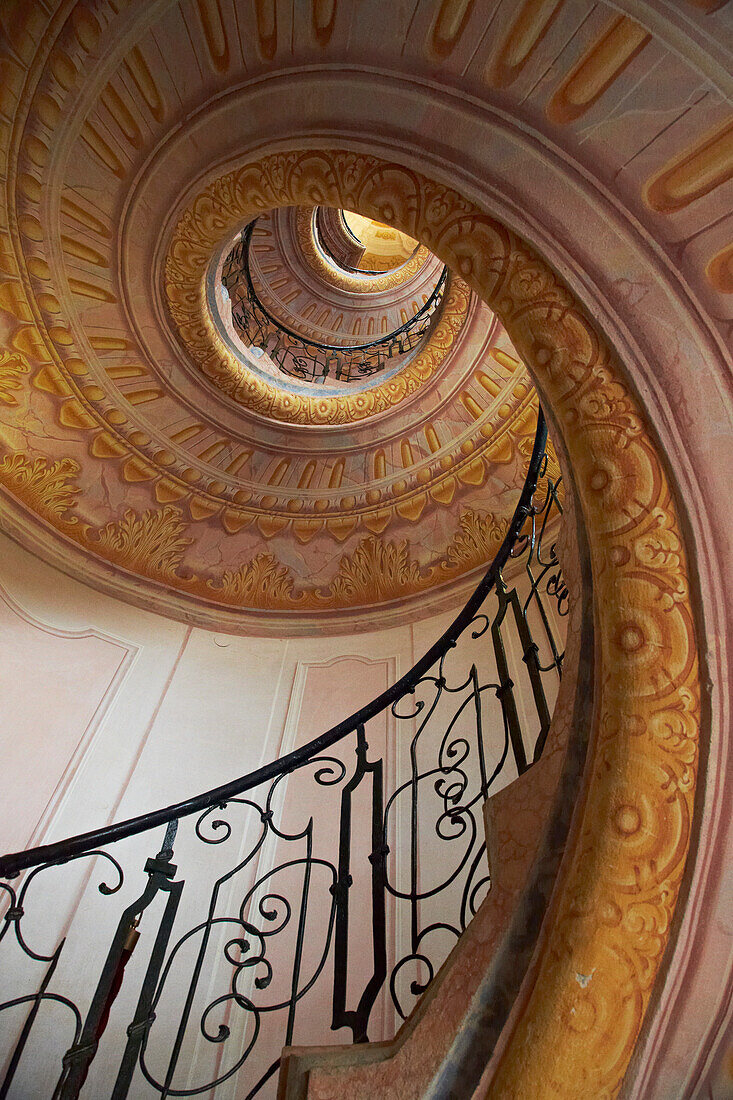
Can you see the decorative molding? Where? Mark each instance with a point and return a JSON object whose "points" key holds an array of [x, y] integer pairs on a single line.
{"points": [[129, 427], [153, 544], [45, 487], [353, 284], [12, 369]]}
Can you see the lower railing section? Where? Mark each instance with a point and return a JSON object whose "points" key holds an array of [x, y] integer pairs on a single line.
{"points": [[323, 890]]}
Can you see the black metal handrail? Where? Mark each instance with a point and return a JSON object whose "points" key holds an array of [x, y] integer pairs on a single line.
{"points": [[233, 956], [61, 850], [348, 228], [312, 360]]}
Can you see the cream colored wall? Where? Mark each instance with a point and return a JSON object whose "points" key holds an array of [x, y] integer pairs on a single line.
{"points": [[112, 711]]}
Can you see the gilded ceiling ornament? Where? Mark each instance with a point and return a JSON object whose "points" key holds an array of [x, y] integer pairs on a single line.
{"points": [[375, 572], [152, 544], [140, 458], [264, 583], [43, 486], [476, 541], [12, 368]]}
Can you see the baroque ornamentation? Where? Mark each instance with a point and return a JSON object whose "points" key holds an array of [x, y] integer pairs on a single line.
{"points": [[376, 570], [152, 544], [476, 541], [42, 485], [12, 369], [264, 582], [616, 894], [95, 397]]}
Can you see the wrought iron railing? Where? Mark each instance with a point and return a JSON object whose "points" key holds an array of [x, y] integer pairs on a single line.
{"points": [[297, 355], [335, 879]]}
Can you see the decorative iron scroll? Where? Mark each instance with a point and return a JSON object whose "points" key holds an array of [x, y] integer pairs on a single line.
{"points": [[308, 360], [332, 882]]}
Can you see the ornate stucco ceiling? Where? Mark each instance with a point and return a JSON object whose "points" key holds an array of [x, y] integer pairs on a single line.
{"points": [[323, 300], [135, 433], [135, 448]]}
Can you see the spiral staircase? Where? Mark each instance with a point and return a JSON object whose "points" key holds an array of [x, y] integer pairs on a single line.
{"points": [[363, 549]]}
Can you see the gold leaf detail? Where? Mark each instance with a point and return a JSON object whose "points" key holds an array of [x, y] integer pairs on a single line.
{"points": [[12, 366], [152, 543], [376, 571], [263, 582], [476, 541], [42, 485]]}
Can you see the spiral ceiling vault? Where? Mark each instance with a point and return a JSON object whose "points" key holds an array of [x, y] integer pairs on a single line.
{"points": [[152, 443], [147, 442]]}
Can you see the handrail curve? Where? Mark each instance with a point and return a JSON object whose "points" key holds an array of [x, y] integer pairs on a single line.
{"points": [[61, 851], [342, 263]]}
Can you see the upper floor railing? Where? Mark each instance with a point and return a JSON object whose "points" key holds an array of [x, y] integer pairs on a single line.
{"points": [[327, 886], [298, 355]]}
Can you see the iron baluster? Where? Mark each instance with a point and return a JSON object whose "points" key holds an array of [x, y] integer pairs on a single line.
{"points": [[453, 766], [505, 691], [476, 695], [357, 1019], [78, 1058], [298, 954], [530, 656], [35, 1000], [554, 585], [13, 918]]}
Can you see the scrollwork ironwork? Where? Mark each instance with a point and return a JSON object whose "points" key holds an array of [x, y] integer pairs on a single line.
{"points": [[310, 360], [340, 874]]}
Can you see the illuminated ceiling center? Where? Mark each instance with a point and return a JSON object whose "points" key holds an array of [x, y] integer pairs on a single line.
{"points": [[385, 247], [294, 325]]}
